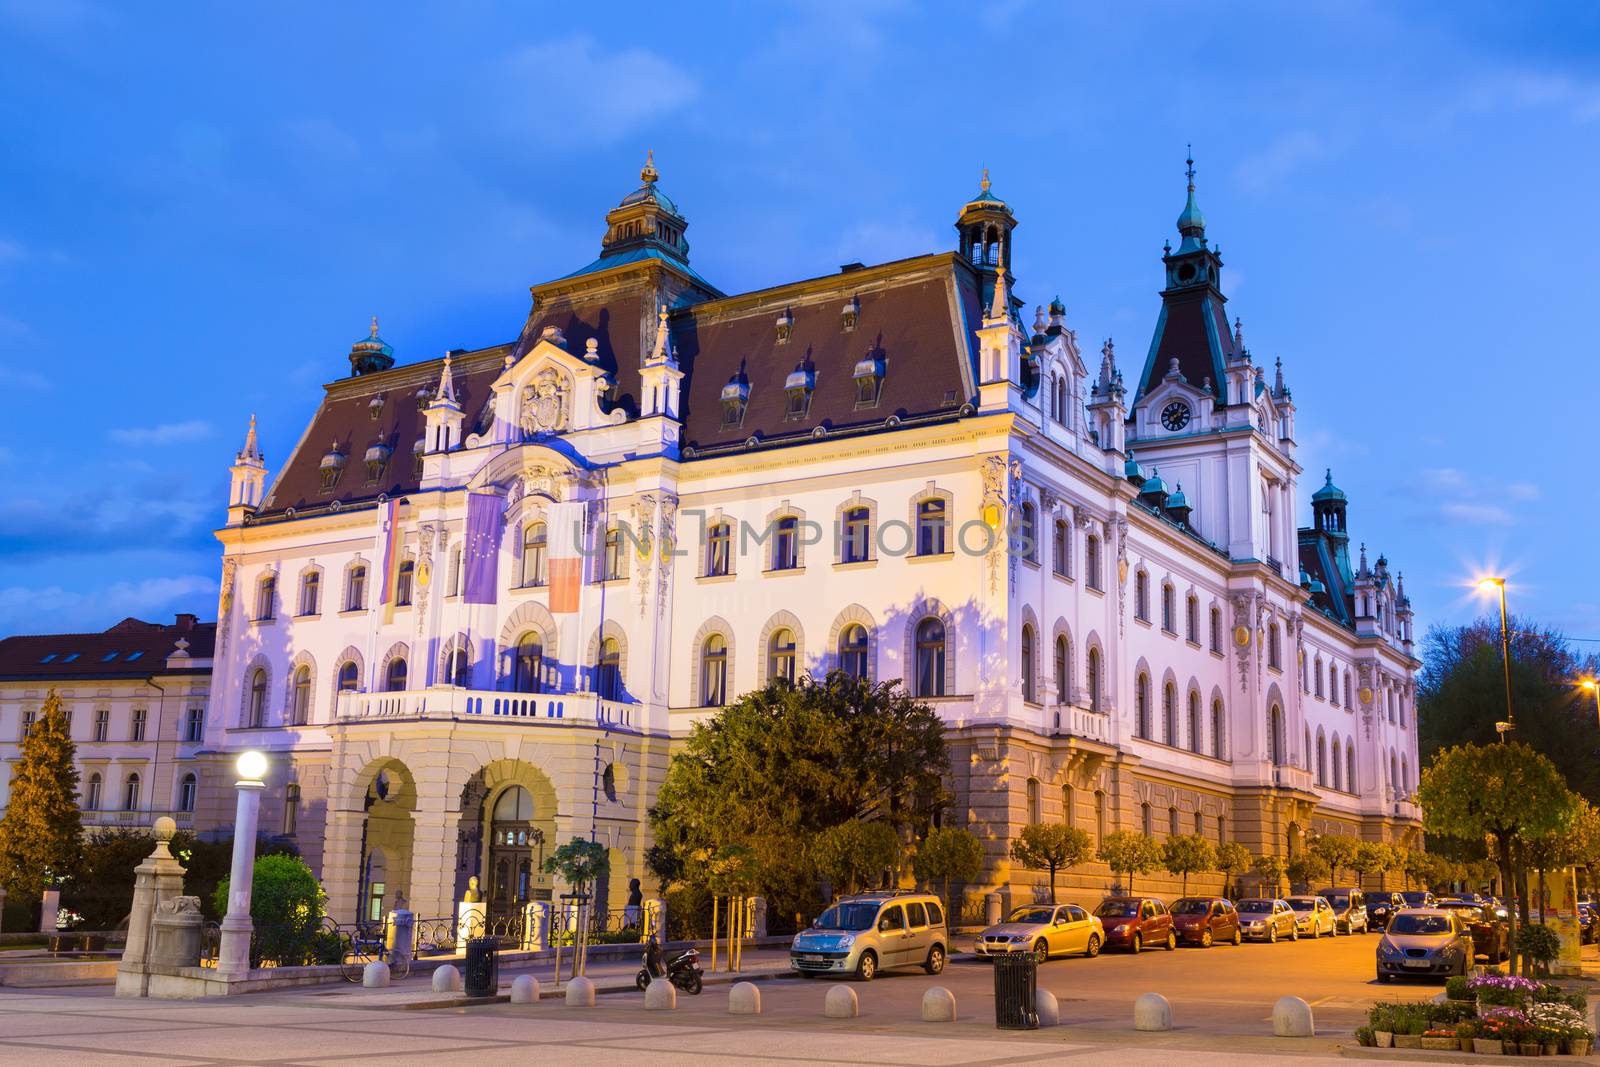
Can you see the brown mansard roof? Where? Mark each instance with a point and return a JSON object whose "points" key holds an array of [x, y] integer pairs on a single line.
{"points": [[130, 649]]}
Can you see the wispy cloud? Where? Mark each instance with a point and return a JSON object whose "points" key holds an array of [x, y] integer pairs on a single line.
{"points": [[600, 93], [22, 606], [1277, 161], [168, 433], [19, 378], [1449, 493]]}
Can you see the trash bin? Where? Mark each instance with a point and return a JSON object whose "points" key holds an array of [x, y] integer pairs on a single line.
{"points": [[482, 978], [1016, 976]]}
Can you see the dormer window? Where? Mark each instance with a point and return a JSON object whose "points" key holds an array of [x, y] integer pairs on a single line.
{"points": [[332, 467], [735, 398], [785, 326], [869, 381], [377, 458], [798, 387], [850, 313], [416, 455], [423, 398], [375, 408]]}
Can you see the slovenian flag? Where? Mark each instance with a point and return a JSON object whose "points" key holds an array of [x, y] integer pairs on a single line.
{"points": [[389, 554], [565, 557]]}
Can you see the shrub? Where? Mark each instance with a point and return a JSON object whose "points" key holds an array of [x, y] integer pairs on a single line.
{"points": [[1455, 987], [1539, 943], [286, 908], [1366, 1036]]}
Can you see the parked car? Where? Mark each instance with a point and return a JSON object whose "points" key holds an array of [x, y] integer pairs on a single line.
{"points": [[1424, 941], [1349, 909], [1045, 930], [1313, 916], [1267, 919], [1420, 898], [1490, 937], [1136, 923], [861, 935], [1380, 906], [1204, 921]]}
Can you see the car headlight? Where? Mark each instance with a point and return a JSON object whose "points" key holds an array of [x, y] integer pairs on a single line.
{"points": [[847, 940], [1387, 949], [1015, 938]]}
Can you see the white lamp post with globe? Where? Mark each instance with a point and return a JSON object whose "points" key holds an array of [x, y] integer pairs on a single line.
{"points": [[233, 955]]}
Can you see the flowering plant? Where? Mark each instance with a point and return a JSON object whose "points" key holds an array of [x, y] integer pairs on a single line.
{"points": [[1558, 1020], [67, 919], [1507, 990]]}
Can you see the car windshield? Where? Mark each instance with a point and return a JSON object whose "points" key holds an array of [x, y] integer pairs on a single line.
{"points": [[1033, 915], [1117, 909], [1423, 925], [850, 915], [1191, 907], [1255, 905], [1414, 898], [1303, 903], [1338, 900]]}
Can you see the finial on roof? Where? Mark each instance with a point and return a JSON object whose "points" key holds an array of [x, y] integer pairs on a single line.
{"points": [[251, 453], [1192, 223], [648, 173], [447, 385], [1238, 333], [1000, 306], [1277, 383], [1190, 162], [374, 326], [984, 184], [663, 346]]}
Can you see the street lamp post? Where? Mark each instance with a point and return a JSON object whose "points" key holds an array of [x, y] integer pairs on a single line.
{"points": [[1503, 728], [1593, 686], [233, 955]]}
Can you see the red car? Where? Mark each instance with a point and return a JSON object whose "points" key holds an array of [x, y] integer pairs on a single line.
{"points": [[1204, 921], [1136, 923]]}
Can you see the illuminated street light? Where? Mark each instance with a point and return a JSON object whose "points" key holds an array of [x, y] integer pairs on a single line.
{"points": [[1489, 585], [233, 955], [1593, 686]]}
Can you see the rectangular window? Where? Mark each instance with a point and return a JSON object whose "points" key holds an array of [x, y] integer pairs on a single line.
{"points": [[310, 593], [28, 718], [931, 527], [1169, 612], [1091, 562], [194, 726], [1060, 549], [102, 724], [786, 544], [1216, 630], [355, 597], [856, 536], [719, 549], [1141, 597], [137, 733], [1191, 620]]}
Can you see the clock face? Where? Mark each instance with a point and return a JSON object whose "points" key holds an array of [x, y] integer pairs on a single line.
{"points": [[1175, 416]]}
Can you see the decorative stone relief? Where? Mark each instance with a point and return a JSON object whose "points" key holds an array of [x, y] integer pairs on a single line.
{"points": [[543, 408], [666, 544], [994, 512]]}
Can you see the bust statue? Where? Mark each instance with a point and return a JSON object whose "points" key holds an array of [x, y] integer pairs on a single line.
{"points": [[472, 896]]}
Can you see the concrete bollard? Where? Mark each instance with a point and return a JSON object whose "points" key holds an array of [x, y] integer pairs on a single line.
{"points": [[525, 989], [580, 993], [660, 995], [1291, 1017], [375, 975], [446, 979], [1047, 1007], [1152, 1012], [841, 1003], [744, 999], [938, 1005]]}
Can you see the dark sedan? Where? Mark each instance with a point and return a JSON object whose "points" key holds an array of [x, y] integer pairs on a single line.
{"points": [[1380, 906], [1490, 937]]}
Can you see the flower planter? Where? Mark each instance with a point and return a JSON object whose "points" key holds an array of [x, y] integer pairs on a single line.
{"points": [[1407, 1040], [1485, 1046], [1532, 1048], [1441, 1044], [1384, 1038], [1466, 1043], [1578, 1046], [1552, 1048]]}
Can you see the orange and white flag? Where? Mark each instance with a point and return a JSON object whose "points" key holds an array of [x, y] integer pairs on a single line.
{"points": [[566, 555]]}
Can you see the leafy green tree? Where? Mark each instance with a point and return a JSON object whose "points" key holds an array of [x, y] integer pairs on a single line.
{"points": [[1129, 853], [580, 863], [41, 831], [1421, 868], [1507, 793], [1187, 854], [1270, 870], [854, 855], [1336, 851], [1232, 859], [1369, 858], [286, 903], [1044, 846], [948, 854], [1306, 868]]}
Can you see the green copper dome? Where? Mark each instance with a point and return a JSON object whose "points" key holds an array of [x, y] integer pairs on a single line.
{"points": [[1329, 491]]}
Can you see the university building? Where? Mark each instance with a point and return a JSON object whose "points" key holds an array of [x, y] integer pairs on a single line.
{"points": [[487, 594]]}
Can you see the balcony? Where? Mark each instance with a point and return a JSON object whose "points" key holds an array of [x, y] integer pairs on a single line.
{"points": [[140, 819], [1288, 777], [1074, 721], [480, 705]]}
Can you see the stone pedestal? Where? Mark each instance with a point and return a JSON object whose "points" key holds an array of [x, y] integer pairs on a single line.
{"points": [[400, 935], [156, 881], [992, 912], [175, 933], [536, 926], [655, 920], [758, 923], [49, 905], [472, 920]]}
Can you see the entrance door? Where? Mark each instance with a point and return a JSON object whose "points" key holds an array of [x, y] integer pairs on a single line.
{"points": [[516, 848]]}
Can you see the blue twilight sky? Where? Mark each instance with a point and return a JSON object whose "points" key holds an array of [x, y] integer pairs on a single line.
{"points": [[201, 205]]}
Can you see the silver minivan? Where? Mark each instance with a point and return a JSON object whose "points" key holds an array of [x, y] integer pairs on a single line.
{"points": [[860, 935]]}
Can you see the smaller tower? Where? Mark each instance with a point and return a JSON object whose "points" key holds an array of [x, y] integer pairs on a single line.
{"points": [[1328, 518], [1107, 413], [660, 379], [985, 226], [248, 478], [444, 416], [371, 353], [1000, 351]]}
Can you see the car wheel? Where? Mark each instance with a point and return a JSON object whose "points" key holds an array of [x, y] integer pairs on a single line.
{"points": [[867, 967], [1041, 951], [935, 962], [1383, 978], [1093, 948], [1272, 935], [1238, 936], [1136, 945], [1172, 941], [1205, 939], [1294, 933]]}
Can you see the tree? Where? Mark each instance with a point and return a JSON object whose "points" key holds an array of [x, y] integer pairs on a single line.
{"points": [[1232, 858], [948, 854], [1187, 854], [855, 854], [786, 762], [1129, 853], [1044, 846], [1505, 792], [1420, 868], [41, 832], [1305, 869], [1336, 851], [1270, 870], [285, 907], [1574, 842], [1369, 858], [580, 863]]}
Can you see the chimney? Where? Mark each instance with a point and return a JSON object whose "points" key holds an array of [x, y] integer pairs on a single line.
{"points": [[186, 622]]}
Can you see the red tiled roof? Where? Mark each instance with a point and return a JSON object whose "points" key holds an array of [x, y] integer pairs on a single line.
{"points": [[130, 649]]}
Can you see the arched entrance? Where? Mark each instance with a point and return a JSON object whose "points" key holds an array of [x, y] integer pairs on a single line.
{"points": [[389, 799], [516, 855]]}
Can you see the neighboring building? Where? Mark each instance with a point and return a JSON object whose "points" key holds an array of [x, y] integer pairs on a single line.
{"points": [[1156, 647], [137, 697]]}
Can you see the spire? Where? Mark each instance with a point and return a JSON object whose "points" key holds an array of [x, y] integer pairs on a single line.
{"points": [[1108, 365], [447, 385], [1000, 306], [1192, 223], [251, 453], [374, 326], [1277, 381], [648, 173], [662, 352], [1238, 335], [984, 185]]}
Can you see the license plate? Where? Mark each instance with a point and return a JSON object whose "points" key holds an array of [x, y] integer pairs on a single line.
{"points": [[812, 959], [1418, 963]]}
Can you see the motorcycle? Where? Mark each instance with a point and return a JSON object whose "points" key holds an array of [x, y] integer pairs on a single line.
{"points": [[682, 970]]}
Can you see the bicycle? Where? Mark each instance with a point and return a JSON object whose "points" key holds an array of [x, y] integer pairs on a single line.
{"points": [[363, 950]]}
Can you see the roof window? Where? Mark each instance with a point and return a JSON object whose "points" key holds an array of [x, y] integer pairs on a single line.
{"points": [[109, 656], [133, 656], [48, 658]]}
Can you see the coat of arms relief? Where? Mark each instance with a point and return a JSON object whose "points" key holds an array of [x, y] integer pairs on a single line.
{"points": [[544, 403]]}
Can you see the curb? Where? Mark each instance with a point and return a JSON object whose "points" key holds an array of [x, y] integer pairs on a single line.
{"points": [[555, 992]]}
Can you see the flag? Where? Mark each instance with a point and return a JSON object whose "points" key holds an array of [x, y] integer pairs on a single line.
{"points": [[389, 554], [482, 551], [566, 555]]}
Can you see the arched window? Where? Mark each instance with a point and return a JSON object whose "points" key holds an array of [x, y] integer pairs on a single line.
{"points": [[856, 542], [355, 588], [1191, 619], [608, 675], [130, 793], [1333, 684], [186, 793], [1094, 678], [1169, 714], [1196, 734], [853, 650], [1169, 609], [1316, 676], [311, 593], [402, 585], [780, 655], [1034, 814], [714, 672], [291, 810], [1029, 666], [1405, 777], [1146, 823], [1275, 751], [1322, 759], [1091, 562], [1141, 596], [1027, 544], [1068, 815], [1099, 817], [1172, 822], [1347, 701], [395, 677], [1216, 628], [349, 676], [930, 658], [527, 673], [1061, 398], [931, 527], [1350, 768], [300, 698], [266, 598], [1061, 548], [256, 706], [1063, 670], [1219, 727], [535, 538], [1274, 647], [91, 796], [786, 544], [1337, 766], [457, 671], [1141, 707], [719, 549]]}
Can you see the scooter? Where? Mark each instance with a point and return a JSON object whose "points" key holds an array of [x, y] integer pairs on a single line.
{"points": [[683, 970]]}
